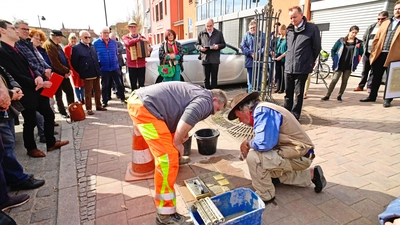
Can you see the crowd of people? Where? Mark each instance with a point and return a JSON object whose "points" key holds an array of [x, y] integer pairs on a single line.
{"points": [[296, 48], [280, 152]]}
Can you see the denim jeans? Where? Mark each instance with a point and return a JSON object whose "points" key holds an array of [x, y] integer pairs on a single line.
{"points": [[105, 84], [3, 184], [80, 93], [13, 171], [40, 124]]}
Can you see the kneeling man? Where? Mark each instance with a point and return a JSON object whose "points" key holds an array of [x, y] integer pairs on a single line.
{"points": [[280, 152]]}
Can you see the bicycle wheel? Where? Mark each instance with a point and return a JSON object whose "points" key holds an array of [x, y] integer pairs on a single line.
{"points": [[324, 70]]}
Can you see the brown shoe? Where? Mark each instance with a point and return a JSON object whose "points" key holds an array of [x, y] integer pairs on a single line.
{"points": [[36, 153], [55, 132], [58, 144], [358, 89], [90, 112], [101, 109], [56, 124]]}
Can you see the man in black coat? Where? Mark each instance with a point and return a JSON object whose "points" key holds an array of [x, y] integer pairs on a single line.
{"points": [[31, 84], [210, 42], [85, 61], [303, 47]]}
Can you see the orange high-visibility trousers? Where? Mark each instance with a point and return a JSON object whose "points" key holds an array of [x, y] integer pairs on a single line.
{"points": [[160, 140]]}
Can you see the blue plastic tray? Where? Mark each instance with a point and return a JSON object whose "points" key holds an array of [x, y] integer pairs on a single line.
{"points": [[241, 201]]}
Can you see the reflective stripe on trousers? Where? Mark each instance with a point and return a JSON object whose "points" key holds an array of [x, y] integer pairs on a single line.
{"points": [[159, 138]]}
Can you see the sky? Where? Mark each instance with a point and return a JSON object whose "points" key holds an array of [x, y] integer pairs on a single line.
{"points": [[77, 14]]}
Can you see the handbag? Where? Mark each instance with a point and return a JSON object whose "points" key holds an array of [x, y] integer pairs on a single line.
{"points": [[166, 70], [76, 112]]}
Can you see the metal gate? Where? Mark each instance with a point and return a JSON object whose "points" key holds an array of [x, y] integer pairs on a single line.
{"points": [[263, 65]]}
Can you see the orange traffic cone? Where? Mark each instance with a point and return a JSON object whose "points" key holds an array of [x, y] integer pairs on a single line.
{"points": [[142, 166]]}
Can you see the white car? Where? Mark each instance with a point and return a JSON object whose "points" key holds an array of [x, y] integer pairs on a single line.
{"points": [[231, 69]]}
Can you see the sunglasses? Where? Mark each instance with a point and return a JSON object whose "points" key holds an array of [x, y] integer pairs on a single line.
{"points": [[381, 19], [86, 37]]}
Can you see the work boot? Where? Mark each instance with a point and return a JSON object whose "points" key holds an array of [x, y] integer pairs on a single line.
{"points": [[319, 179], [173, 219], [184, 160]]}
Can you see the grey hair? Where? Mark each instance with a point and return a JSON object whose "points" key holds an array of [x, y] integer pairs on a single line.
{"points": [[82, 31], [220, 95], [18, 22], [249, 105]]}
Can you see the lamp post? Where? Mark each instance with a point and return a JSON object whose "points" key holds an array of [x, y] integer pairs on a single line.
{"points": [[43, 18], [105, 11]]}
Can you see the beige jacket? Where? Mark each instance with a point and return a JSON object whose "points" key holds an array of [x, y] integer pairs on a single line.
{"points": [[377, 45]]}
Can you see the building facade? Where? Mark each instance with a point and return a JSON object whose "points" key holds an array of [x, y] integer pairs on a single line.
{"points": [[233, 16], [166, 15]]}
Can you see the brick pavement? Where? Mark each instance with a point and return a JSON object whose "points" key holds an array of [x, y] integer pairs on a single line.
{"points": [[357, 145]]}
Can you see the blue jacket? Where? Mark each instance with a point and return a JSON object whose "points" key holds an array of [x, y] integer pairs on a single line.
{"points": [[392, 211], [108, 55], [337, 51], [247, 47], [84, 60]]}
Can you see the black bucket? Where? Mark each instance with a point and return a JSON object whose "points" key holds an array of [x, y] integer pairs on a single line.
{"points": [[207, 141], [187, 146]]}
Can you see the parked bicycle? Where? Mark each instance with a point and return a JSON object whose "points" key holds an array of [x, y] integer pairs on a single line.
{"points": [[321, 70]]}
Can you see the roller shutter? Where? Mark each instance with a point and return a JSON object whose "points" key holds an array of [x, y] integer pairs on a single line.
{"points": [[230, 30]]}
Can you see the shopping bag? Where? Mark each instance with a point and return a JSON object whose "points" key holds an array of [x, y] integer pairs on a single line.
{"points": [[166, 70]]}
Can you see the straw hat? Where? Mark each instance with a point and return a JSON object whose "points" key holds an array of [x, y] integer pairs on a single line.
{"points": [[240, 99], [132, 23]]}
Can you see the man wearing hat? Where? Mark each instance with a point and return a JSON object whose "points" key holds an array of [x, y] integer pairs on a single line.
{"points": [[280, 152], [136, 66], [60, 65]]}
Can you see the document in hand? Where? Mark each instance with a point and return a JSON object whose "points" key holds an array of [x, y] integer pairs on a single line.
{"points": [[56, 79]]}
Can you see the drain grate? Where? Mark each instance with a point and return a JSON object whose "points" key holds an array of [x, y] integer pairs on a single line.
{"points": [[243, 132], [235, 128]]}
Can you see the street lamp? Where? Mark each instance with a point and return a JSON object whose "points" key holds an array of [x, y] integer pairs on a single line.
{"points": [[105, 11], [43, 18]]}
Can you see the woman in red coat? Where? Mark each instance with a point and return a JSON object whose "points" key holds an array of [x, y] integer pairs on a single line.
{"points": [[76, 79]]}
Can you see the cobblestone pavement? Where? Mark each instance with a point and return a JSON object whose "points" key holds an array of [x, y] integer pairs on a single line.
{"points": [[357, 145]]}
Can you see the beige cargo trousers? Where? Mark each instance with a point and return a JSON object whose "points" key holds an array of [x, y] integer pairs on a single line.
{"points": [[266, 165]]}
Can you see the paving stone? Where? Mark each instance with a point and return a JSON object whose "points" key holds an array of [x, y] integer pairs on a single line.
{"points": [[326, 220], [146, 204], [119, 218], [107, 190], [45, 192], [45, 202], [143, 220], [273, 213], [109, 205], [108, 177], [107, 166], [43, 214], [339, 211], [136, 189], [21, 217], [304, 211]]}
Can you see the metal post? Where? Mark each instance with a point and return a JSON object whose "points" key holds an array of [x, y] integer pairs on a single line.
{"points": [[40, 25], [105, 11]]}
